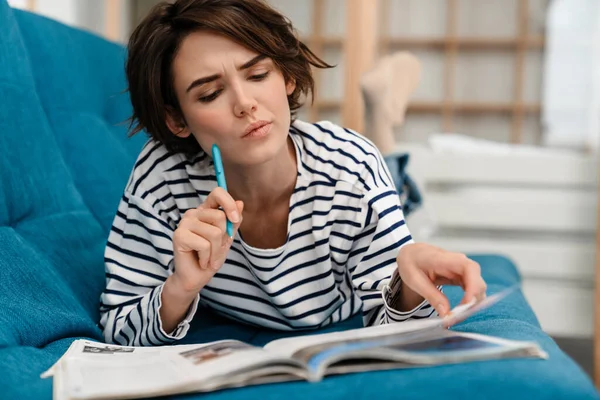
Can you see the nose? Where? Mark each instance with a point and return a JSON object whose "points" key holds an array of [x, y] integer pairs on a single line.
{"points": [[243, 103]]}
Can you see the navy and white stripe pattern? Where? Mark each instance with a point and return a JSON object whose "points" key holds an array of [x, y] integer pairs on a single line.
{"points": [[345, 229]]}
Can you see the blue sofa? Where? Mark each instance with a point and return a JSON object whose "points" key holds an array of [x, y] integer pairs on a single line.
{"points": [[64, 160]]}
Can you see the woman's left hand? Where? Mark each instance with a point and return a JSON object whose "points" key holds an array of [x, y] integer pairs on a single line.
{"points": [[423, 267]]}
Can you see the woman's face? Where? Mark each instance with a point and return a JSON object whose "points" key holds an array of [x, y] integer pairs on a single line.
{"points": [[224, 91]]}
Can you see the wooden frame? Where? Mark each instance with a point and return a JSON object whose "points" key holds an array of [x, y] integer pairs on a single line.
{"points": [[316, 44], [362, 43], [450, 54], [112, 19], [517, 121], [521, 44], [360, 47]]}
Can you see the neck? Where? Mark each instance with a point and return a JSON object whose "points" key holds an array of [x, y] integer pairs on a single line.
{"points": [[263, 186]]}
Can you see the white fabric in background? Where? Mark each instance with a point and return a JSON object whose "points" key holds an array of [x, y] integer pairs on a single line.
{"points": [[18, 3], [571, 89], [456, 143]]}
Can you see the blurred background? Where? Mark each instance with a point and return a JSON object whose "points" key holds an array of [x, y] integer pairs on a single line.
{"points": [[503, 129]]}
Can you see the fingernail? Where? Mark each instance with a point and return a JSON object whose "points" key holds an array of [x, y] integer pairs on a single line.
{"points": [[235, 217]]}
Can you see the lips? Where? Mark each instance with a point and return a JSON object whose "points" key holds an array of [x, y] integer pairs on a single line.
{"points": [[258, 128]]}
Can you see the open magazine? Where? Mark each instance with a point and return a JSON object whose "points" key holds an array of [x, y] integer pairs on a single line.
{"points": [[100, 371]]}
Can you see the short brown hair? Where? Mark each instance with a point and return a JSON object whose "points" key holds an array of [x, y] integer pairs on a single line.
{"points": [[156, 40]]}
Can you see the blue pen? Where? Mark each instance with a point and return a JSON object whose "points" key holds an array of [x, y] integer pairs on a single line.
{"points": [[216, 155]]}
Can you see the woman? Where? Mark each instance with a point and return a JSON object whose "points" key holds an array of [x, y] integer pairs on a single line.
{"points": [[319, 233]]}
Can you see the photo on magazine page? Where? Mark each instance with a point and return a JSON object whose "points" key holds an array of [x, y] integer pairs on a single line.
{"points": [[451, 343], [433, 347], [107, 349], [199, 355]]}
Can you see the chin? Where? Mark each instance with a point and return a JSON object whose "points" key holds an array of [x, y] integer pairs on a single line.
{"points": [[262, 151], [256, 155]]}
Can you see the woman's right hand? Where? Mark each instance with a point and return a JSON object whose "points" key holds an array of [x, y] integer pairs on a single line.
{"points": [[200, 242]]}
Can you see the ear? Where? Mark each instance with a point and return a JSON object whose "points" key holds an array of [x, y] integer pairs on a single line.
{"points": [[290, 86], [176, 123]]}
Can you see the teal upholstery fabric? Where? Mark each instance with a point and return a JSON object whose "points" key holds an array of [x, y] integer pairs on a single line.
{"points": [[64, 161]]}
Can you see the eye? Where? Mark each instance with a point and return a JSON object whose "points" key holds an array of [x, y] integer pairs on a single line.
{"points": [[259, 77], [210, 97]]}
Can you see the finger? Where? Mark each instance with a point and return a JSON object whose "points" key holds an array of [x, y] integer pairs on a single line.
{"points": [[472, 282], [453, 263], [240, 207], [482, 295], [219, 197], [188, 241], [420, 283], [203, 253], [212, 217], [217, 257], [213, 234]]}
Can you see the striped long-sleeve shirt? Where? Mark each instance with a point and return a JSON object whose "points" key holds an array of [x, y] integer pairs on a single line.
{"points": [[345, 228]]}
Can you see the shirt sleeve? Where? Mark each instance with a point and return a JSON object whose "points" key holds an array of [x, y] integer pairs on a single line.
{"points": [[391, 293], [372, 261], [138, 259]]}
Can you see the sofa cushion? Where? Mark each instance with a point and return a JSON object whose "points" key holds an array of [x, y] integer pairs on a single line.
{"points": [[556, 378], [63, 164], [81, 85]]}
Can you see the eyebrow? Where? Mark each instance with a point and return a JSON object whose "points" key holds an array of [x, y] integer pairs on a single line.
{"points": [[206, 79]]}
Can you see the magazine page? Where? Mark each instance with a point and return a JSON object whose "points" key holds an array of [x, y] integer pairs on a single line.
{"points": [[435, 347], [315, 349], [289, 346], [83, 347], [446, 346], [166, 370]]}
